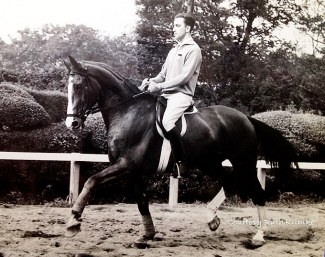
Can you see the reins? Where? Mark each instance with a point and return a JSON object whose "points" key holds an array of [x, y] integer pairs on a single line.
{"points": [[95, 109]]}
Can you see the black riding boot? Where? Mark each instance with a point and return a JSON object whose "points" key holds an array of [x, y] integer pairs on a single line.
{"points": [[178, 150]]}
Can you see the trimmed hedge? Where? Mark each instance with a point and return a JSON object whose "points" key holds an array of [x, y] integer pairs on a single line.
{"points": [[54, 102], [31, 179], [43, 80], [32, 108], [96, 137], [19, 113], [10, 90], [55, 138], [305, 131]]}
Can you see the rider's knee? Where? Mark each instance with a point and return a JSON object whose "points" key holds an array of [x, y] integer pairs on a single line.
{"points": [[167, 124]]}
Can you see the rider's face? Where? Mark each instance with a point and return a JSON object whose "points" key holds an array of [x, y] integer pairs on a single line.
{"points": [[180, 29]]}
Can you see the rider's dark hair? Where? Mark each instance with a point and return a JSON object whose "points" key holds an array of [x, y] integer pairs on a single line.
{"points": [[188, 19]]}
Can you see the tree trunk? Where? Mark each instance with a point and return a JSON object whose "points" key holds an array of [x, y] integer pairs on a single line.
{"points": [[251, 17], [190, 6]]}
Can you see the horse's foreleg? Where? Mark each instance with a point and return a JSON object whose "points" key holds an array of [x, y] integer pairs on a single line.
{"points": [[149, 228], [113, 172], [74, 223], [149, 232], [143, 206]]}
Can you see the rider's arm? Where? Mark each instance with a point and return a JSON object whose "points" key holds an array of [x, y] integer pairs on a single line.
{"points": [[158, 79], [193, 60], [146, 82]]}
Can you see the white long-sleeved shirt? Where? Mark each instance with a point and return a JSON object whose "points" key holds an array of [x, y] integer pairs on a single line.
{"points": [[181, 69]]}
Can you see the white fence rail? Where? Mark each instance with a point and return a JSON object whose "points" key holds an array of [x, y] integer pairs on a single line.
{"points": [[73, 158], [76, 158]]}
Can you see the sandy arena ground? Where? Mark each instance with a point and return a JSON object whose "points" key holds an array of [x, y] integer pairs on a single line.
{"points": [[109, 230]]}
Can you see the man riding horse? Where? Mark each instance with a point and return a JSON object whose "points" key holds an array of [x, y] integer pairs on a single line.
{"points": [[176, 82], [216, 132]]}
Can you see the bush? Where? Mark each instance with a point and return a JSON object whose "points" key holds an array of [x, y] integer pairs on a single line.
{"points": [[19, 113], [305, 131], [43, 80], [36, 177], [95, 126], [307, 134], [10, 90], [54, 102], [55, 138]]}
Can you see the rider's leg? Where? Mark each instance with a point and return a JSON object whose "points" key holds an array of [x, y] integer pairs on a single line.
{"points": [[176, 105], [178, 149]]}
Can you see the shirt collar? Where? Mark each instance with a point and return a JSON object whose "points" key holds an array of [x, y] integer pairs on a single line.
{"points": [[188, 41]]}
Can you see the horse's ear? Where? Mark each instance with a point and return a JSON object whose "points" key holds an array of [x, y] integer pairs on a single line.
{"points": [[76, 65], [66, 64]]}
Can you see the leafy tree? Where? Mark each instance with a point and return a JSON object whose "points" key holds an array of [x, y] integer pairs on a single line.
{"points": [[37, 53], [311, 22], [235, 40], [310, 77]]}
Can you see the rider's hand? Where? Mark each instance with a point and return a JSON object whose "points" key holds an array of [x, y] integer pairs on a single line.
{"points": [[144, 85], [154, 87]]}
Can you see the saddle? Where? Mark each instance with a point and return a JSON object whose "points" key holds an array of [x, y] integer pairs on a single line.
{"points": [[181, 125]]}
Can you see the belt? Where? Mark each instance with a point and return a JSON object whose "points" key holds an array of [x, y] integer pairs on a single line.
{"points": [[174, 92]]}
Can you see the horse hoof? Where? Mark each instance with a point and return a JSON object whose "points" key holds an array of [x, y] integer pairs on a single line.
{"points": [[72, 231], [141, 243], [73, 227], [253, 244], [214, 224]]}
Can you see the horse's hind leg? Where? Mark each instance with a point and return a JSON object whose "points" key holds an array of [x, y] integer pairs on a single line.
{"points": [[143, 206], [259, 198], [215, 171], [253, 188]]}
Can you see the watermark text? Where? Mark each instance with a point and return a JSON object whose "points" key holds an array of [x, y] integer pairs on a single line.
{"points": [[272, 222]]}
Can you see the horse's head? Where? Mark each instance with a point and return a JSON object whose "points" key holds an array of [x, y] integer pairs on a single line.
{"points": [[83, 91]]}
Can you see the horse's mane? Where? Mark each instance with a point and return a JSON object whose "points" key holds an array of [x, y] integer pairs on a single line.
{"points": [[108, 68]]}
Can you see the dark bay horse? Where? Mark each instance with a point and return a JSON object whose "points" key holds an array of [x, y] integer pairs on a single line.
{"points": [[214, 134]]}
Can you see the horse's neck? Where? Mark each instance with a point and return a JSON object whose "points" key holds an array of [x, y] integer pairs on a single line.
{"points": [[115, 90], [144, 107]]}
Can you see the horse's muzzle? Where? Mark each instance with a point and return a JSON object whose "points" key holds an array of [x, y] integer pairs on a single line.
{"points": [[74, 122]]}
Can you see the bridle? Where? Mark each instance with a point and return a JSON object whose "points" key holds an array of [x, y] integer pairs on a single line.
{"points": [[85, 110]]}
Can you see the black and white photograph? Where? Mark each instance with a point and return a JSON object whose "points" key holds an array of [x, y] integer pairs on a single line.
{"points": [[162, 128]]}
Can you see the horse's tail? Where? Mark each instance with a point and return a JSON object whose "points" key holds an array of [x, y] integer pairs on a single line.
{"points": [[274, 147]]}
